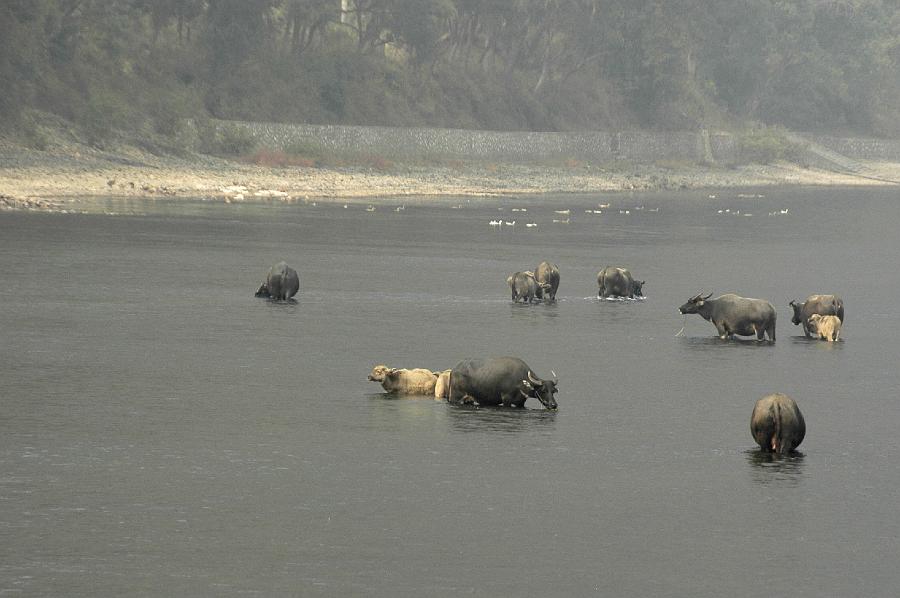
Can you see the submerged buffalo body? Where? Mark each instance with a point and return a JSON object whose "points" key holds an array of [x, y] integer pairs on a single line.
{"points": [[523, 286], [506, 381], [618, 282], [547, 277], [777, 424], [734, 315], [282, 283], [826, 305]]}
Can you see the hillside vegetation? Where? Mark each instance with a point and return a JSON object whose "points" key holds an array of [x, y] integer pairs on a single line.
{"points": [[148, 65]]}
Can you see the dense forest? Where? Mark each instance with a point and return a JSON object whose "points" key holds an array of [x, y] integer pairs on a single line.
{"points": [[814, 65]]}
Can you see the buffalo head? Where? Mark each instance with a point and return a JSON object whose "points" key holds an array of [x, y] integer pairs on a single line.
{"points": [[380, 372], [798, 311], [542, 390], [263, 291], [638, 288], [694, 304]]}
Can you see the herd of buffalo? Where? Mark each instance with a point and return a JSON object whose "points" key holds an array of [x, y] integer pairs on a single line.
{"points": [[776, 423]]}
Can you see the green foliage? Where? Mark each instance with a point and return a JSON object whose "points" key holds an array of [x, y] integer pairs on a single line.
{"points": [[766, 145], [154, 65], [102, 115], [226, 140]]}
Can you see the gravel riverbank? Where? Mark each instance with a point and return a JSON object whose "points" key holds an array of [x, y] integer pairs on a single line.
{"points": [[60, 178]]}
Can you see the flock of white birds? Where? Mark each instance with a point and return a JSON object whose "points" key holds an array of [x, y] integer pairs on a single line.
{"points": [[564, 216]]}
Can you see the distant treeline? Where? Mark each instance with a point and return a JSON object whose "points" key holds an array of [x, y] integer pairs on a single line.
{"points": [[814, 65]]}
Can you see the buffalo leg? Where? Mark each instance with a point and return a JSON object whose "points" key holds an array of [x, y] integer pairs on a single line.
{"points": [[455, 397], [721, 329]]}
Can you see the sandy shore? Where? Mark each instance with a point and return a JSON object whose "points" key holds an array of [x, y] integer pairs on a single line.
{"points": [[56, 180]]}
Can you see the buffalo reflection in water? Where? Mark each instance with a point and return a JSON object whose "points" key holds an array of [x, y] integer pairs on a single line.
{"points": [[496, 419], [770, 468]]}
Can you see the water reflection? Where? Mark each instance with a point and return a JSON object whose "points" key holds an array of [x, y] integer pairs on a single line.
{"points": [[504, 420], [818, 343], [767, 468], [534, 310], [704, 342]]}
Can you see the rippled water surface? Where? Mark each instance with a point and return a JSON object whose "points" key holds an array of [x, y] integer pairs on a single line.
{"points": [[163, 432]]}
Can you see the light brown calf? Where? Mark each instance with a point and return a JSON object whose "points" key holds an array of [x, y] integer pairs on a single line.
{"points": [[442, 387], [418, 381], [825, 327]]}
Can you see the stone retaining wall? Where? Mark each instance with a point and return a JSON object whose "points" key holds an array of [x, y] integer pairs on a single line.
{"points": [[594, 146], [887, 150]]}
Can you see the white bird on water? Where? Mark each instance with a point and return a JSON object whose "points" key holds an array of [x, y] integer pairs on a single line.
{"points": [[495, 222], [530, 224], [510, 223]]}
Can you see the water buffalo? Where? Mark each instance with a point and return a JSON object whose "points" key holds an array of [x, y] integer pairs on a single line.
{"points": [[777, 424], [732, 315], [282, 283], [506, 381], [547, 277], [618, 282], [524, 287], [824, 327], [418, 381], [442, 386], [826, 305]]}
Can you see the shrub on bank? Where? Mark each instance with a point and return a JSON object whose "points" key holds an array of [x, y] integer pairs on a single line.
{"points": [[767, 145]]}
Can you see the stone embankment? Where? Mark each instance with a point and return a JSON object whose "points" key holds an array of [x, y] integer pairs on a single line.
{"points": [[597, 147]]}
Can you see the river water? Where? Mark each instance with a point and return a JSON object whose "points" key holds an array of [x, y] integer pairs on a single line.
{"points": [[163, 432]]}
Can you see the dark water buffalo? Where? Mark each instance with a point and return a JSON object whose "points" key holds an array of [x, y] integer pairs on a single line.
{"points": [[523, 286], [777, 424], [281, 284], [618, 282], [732, 315], [547, 277], [506, 381], [826, 305]]}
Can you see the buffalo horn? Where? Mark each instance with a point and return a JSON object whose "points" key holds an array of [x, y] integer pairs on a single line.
{"points": [[707, 297], [534, 380], [555, 377]]}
